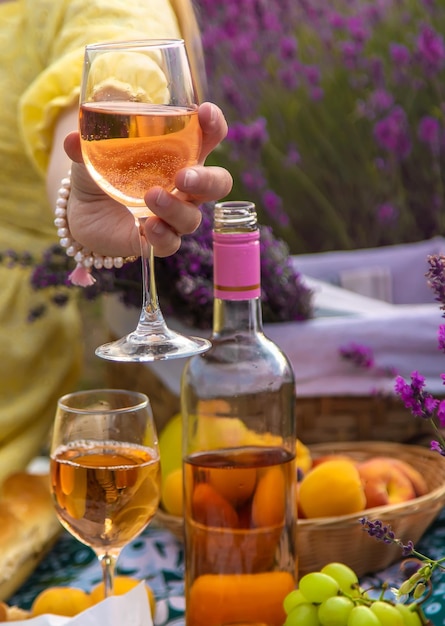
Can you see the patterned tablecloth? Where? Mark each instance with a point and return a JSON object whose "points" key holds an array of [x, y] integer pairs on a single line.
{"points": [[157, 556]]}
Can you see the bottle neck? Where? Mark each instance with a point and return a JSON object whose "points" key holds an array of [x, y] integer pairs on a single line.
{"points": [[237, 316], [237, 282]]}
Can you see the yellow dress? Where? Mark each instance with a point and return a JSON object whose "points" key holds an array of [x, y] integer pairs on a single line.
{"points": [[42, 45]]}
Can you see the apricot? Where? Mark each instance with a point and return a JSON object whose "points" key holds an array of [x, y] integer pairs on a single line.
{"points": [[122, 584], [332, 488], [66, 601], [269, 501], [211, 509], [171, 494], [245, 598], [332, 457], [236, 484]]}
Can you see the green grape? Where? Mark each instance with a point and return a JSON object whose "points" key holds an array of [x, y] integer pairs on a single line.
{"points": [[303, 615], [410, 617], [362, 616], [317, 587], [387, 613], [335, 611], [292, 599], [344, 575]]}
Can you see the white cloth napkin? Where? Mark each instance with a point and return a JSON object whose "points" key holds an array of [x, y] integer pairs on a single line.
{"points": [[131, 609]]}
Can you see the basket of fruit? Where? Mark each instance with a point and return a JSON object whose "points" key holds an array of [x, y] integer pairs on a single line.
{"points": [[401, 485]]}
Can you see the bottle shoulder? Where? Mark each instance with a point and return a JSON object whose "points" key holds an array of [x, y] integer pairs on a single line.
{"points": [[241, 358]]}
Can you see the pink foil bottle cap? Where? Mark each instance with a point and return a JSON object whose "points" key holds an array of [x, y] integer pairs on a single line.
{"points": [[236, 248]]}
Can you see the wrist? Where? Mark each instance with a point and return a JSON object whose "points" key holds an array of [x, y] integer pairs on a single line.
{"points": [[85, 259]]}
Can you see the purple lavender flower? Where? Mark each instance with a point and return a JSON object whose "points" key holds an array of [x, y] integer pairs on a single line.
{"points": [[436, 277], [319, 74], [380, 100], [400, 54], [358, 354], [392, 133], [441, 337], [387, 213], [431, 49], [422, 404], [429, 132]]}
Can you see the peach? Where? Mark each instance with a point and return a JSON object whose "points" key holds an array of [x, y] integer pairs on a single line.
{"points": [[384, 483], [418, 481], [332, 488]]}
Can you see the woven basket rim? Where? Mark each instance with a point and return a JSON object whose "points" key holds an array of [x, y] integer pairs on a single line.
{"points": [[434, 497]]}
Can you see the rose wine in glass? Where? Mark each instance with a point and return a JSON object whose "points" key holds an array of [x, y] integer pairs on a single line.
{"points": [[139, 126], [105, 470]]}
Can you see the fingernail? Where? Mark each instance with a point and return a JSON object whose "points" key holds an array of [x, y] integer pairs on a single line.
{"points": [[190, 179], [213, 113], [159, 228], [163, 199]]}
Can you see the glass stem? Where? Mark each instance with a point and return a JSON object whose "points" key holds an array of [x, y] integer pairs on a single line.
{"points": [[150, 313], [108, 563]]}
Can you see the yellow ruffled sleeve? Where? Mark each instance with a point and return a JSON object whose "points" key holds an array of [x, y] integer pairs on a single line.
{"points": [[59, 34]]}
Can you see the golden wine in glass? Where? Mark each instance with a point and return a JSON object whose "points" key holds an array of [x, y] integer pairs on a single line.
{"points": [[139, 126], [105, 470]]}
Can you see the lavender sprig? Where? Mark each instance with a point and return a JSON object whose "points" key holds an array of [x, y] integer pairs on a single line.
{"points": [[420, 580], [424, 405]]}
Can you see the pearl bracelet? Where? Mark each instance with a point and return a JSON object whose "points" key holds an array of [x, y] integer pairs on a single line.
{"points": [[85, 259]]}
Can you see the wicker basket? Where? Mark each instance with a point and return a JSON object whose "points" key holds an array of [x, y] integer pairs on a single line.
{"points": [[342, 538]]}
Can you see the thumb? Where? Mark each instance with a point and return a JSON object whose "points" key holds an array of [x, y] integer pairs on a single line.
{"points": [[72, 146]]}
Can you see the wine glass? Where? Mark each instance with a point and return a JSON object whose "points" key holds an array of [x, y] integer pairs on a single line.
{"points": [[105, 470], [139, 126]]}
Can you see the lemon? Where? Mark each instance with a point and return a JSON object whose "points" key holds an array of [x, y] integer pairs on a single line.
{"points": [[170, 446], [172, 498]]}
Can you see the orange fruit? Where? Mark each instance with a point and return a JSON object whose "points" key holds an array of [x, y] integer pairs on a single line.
{"points": [[332, 488], [67, 601], [122, 584]]}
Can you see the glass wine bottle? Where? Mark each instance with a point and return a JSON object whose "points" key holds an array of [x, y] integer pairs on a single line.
{"points": [[238, 406]]}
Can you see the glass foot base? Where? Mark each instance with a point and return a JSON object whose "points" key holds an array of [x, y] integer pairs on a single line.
{"points": [[139, 347]]}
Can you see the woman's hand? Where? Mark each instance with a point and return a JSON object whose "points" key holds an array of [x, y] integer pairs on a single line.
{"points": [[108, 228]]}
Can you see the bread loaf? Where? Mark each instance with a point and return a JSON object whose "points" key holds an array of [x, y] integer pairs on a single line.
{"points": [[28, 528], [12, 613]]}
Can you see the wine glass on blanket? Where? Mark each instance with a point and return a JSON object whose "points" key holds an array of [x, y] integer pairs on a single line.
{"points": [[139, 126], [105, 470]]}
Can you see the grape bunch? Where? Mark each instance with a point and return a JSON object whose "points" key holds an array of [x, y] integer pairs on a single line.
{"points": [[333, 597]]}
